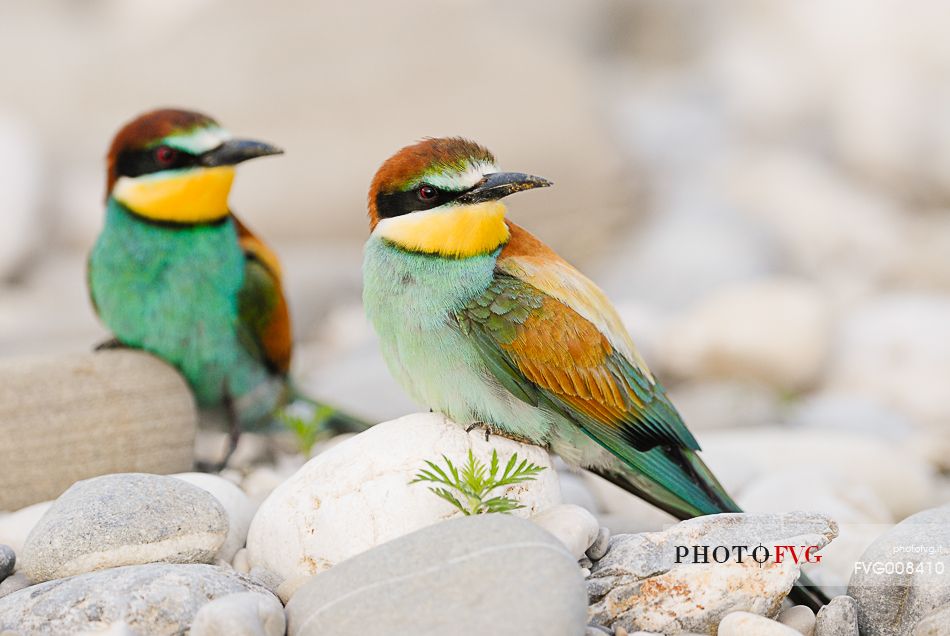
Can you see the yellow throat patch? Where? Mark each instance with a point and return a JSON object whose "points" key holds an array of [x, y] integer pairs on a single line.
{"points": [[459, 232], [196, 195]]}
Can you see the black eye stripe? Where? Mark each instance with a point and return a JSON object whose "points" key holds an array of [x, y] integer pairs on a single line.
{"points": [[134, 163], [393, 204]]}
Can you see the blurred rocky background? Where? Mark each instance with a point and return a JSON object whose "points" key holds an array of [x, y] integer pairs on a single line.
{"points": [[761, 186]]}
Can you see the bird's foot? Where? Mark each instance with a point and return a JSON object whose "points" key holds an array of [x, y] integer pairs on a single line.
{"points": [[212, 468], [488, 428], [110, 345]]}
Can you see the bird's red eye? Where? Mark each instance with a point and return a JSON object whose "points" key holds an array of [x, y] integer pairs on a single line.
{"points": [[166, 156], [427, 193]]}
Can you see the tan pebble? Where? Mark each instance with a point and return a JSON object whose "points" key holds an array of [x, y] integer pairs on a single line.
{"points": [[800, 618], [748, 624]]}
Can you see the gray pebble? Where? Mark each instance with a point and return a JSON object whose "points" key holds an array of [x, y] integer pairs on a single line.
{"points": [[901, 577], [468, 576], [7, 561], [585, 563], [598, 549], [124, 519], [14, 583], [157, 598], [934, 624], [241, 614], [267, 578], [618, 592], [838, 618]]}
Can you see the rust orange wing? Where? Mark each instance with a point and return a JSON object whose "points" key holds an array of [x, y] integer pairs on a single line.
{"points": [[550, 336], [262, 306], [528, 259]]}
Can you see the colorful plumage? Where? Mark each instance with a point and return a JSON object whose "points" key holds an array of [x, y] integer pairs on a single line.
{"points": [[480, 320], [176, 274]]}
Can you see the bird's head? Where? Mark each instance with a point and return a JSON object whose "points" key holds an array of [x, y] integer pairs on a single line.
{"points": [[176, 166], [443, 196]]}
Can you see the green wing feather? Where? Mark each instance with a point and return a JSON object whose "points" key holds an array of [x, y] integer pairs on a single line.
{"points": [[549, 356], [497, 318], [265, 329]]}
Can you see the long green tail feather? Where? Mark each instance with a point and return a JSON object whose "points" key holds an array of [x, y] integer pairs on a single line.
{"points": [[673, 479], [679, 482]]}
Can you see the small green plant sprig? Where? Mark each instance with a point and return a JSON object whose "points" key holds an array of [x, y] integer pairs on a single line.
{"points": [[308, 430], [467, 487]]}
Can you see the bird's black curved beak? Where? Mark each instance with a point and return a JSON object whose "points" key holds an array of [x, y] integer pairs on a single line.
{"points": [[234, 151], [500, 184]]}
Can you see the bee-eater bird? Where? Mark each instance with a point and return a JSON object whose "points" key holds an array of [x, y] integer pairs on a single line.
{"points": [[176, 274], [481, 321]]}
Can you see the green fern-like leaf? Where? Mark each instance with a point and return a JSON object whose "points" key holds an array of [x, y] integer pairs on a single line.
{"points": [[307, 430], [449, 497], [467, 487], [501, 504], [518, 474]]}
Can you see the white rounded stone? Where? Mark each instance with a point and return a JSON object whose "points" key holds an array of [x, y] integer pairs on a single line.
{"points": [[895, 348], [573, 526], [237, 505], [748, 624], [820, 489], [800, 618], [260, 483], [241, 614], [574, 490], [774, 331], [357, 495], [896, 475], [624, 512], [831, 410], [15, 527], [720, 404], [240, 562], [14, 583]]}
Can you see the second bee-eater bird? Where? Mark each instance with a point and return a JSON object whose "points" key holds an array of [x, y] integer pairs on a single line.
{"points": [[175, 273], [480, 320]]}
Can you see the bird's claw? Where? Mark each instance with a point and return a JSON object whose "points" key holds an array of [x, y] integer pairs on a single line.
{"points": [[500, 432], [110, 345], [473, 426]]}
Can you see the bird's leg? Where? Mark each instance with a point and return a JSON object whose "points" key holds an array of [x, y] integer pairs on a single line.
{"points": [[234, 435], [234, 429], [109, 345]]}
